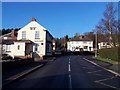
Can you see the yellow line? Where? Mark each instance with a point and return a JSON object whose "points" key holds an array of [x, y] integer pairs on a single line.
{"points": [[106, 85], [105, 79], [100, 82]]}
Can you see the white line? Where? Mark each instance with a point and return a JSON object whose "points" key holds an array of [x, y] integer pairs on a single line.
{"points": [[69, 61], [102, 67], [69, 69], [70, 82]]}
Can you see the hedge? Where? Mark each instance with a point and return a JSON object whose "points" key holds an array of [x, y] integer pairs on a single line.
{"points": [[110, 53]]}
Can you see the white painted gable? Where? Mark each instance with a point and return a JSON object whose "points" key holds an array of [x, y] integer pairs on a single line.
{"points": [[30, 34], [34, 24]]}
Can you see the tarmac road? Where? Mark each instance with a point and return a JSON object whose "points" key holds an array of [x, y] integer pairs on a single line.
{"points": [[69, 72]]}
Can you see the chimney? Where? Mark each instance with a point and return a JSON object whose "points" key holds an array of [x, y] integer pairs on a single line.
{"points": [[12, 33], [33, 19], [81, 37]]}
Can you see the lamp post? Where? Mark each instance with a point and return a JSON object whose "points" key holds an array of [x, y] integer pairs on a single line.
{"points": [[96, 45]]}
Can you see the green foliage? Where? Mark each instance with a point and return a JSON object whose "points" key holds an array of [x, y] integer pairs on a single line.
{"points": [[76, 35], [106, 60], [110, 53], [5, 31]]}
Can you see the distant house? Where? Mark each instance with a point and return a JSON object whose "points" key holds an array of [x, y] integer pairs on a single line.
{"points": [[79, 44], [103, 44], [32, 40]]}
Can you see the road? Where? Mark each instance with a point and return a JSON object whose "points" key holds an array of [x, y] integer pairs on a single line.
{"points": [[71, 71]]}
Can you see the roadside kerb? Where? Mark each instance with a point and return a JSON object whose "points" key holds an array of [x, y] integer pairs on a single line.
{"points": [[22, 75], [117, 74]]}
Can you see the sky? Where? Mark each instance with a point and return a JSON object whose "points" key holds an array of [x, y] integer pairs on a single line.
{"points": [[59, 18]]}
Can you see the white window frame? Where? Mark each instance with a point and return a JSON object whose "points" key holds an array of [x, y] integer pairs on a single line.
{"points": [[8, 48], [32, 28], [37, 34], [18, 47], [23, 34]]}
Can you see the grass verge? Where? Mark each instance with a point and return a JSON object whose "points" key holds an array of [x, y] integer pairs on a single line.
{"points": [[106, 60]]}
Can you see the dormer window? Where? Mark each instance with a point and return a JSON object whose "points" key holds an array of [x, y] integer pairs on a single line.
{"points": [[32, 28]]}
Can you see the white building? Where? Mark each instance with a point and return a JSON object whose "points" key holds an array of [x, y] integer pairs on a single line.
{"points": [[79, 45], [33, 40], [103, 44]]}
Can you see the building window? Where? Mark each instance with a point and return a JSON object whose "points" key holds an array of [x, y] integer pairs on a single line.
{"points": [[76, 42], [37, 35], [48, 47], [36, 47], [85, 47], [85, 42], [23, 34], [8, 48], [32, 28], [18, 47]]}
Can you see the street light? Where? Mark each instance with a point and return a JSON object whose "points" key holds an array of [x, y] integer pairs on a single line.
{"points": [[96, 44]]}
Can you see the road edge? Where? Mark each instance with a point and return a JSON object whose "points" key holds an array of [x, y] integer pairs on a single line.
{"points": [[22, 75], [109, 70]]}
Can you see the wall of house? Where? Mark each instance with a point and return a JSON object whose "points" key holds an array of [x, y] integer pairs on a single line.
{"points": [[30, 35], [7, 49], [19, 49], [49, 48], [103, 45], [77, 45]]}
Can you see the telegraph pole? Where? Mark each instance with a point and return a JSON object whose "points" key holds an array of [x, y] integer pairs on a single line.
{"points": [[96, 44]]}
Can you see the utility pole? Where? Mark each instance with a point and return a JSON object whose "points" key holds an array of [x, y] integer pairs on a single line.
{"points": [[96, 44]]}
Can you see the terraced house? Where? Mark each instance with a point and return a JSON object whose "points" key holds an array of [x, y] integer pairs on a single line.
{"points": [[33, 40]]}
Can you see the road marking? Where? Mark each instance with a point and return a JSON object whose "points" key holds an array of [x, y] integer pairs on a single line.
{"points": [[70, 82], [107, 85], [95, 71], [69, 62], [105, 79], [69, 69], [117, 74], [100, 82], [69, 59]]}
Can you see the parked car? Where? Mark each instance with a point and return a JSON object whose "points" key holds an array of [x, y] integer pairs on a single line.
{"points": [[6, 57]]}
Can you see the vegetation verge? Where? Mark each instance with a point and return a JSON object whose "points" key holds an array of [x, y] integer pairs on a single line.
{"points": [[106, 60]]}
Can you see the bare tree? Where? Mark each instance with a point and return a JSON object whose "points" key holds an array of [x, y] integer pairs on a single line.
{"points": [[109, 21]]}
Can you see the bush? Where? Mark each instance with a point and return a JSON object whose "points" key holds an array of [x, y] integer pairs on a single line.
{"points": [[110, 53]]}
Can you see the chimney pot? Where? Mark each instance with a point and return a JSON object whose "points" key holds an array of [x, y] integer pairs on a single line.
{"points": [[33, 19]]}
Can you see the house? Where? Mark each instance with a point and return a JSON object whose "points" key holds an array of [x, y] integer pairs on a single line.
{"points": [[79, 44], [10, 36], [7, 42], [33, 40], [103, 44]]}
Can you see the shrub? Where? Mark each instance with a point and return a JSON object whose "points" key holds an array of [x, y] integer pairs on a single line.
{"points": [[110, 53]]}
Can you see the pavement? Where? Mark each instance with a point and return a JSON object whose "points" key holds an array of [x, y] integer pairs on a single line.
{"points": [[13, 74], [69, 72]]}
